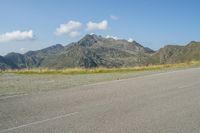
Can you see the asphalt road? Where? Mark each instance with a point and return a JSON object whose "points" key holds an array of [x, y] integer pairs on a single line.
{"points": [[159, 103]]}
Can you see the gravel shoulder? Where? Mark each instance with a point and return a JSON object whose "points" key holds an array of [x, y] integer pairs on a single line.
{"points": [[17, 84]]}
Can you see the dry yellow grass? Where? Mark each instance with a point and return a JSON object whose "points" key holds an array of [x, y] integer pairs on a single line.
{"points": [[101, 70]]}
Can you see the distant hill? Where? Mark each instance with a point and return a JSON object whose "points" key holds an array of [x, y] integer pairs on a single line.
{"points": [[97, 51], [177, 54], [3, 63]]}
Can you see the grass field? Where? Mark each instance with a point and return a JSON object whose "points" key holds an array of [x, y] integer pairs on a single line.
{"points": [[102, 70], [13, 82]]}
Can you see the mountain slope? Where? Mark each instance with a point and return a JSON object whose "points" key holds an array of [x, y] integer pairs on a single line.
{"points": [[3, 63], [177, 54], [31, 59], [97, 51], [90, 51]]}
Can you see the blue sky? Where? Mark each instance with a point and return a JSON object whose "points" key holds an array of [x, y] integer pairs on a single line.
{"points": [[35, 24]]}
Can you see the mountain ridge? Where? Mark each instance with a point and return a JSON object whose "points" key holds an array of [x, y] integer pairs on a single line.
{"points": [[97, 51]]}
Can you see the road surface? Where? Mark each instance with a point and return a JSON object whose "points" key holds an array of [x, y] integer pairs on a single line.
{"points": [[159, 103]]}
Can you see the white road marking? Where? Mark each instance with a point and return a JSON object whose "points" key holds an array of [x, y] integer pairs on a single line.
{"points": [[6, 97], [190, 85], [38, 122]]}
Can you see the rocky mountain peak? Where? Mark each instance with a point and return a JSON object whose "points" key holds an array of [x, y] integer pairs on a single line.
{"points": [[89, 40]]}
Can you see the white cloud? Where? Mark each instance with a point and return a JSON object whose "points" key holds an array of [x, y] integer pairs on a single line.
{"points": [[130, 40], [113, 17], [73, 33], [71, 28], [16, 36], [97, 26], [23, 50], [113, 37]]}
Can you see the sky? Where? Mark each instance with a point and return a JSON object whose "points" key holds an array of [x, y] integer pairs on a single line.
{"points": [[35, 24]]}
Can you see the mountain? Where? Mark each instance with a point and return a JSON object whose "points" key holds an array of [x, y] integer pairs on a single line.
{"points": [[31, 59], [97, 51], [3, 63], [177, 54], [90, 51]]}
